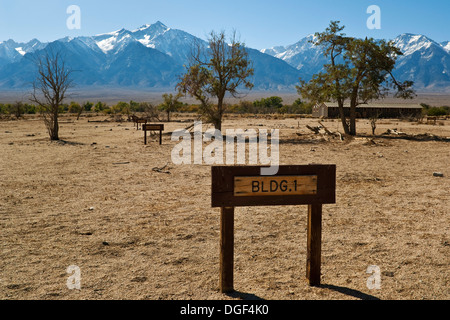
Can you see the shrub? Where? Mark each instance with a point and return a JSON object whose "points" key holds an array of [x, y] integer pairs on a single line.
{"points": [[4, 109], [87, 106], [269, 105], [74, 107], [30, 109], [437, 111], [100, 106]]}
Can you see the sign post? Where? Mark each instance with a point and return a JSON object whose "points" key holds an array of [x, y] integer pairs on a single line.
{"points": [[226, 249], [314, 244], [312, 185]]}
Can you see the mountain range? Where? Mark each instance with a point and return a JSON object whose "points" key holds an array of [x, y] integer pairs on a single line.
{"points": [[154, 55], [424, 61]]}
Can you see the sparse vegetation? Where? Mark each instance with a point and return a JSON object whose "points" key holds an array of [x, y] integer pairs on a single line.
{"points": [[358, 71], [170, 104], [435, 111], [157, 230], [215, 71]]}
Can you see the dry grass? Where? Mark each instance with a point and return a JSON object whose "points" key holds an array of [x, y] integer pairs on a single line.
{"points": [[94, 201]]}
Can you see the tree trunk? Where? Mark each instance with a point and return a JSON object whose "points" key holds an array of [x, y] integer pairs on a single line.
{"points": [[353, 113], [219, 115], [218, 124], [343, 119], [352, 121], [55, 126]]}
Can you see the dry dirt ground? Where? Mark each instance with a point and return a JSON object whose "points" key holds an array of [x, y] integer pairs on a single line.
{"points": [[92, 200]]}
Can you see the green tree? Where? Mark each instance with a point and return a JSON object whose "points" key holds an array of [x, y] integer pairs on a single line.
{"points": [[360, 70], [122, 108], [100, 106], [30, 109], [437, 111], [215, 71], [87, 106], [74, 107], [134, 106], [171, 104], [271, 104], [17, 108]]}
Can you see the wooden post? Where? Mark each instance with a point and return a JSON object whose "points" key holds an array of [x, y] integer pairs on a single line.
{"points": [[314, 243], [145, 135], [160, 137], [241, 186], [226, 249]]}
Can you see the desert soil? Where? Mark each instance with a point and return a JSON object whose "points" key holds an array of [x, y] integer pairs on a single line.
{"points": [[92, 200]]}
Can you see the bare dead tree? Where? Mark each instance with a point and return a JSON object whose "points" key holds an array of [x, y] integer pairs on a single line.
{"points": [[50, 87]]}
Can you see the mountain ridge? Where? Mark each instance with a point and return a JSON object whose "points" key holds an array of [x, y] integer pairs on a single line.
{"points": [[424, 61], [154, 56]]}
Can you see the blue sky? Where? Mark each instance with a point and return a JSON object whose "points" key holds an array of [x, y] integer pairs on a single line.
{"points": [[260, 23]]}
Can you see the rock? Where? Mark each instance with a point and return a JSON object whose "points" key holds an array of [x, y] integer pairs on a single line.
{"points": [[387, 273], [139, 279], [438, 174]]}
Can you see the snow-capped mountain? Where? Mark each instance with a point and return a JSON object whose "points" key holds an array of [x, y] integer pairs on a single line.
{"points": [[446, 45], [303, 55], [173, 42], [424, 61], [154, 55], [11, 51]]}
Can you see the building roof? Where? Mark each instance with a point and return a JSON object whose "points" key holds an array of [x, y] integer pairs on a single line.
{"points": [[380, 105]]}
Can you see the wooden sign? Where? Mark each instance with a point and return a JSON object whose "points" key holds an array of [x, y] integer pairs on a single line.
{"points": [[153, 127], [138, 121], [293, 185], [312, 185], [274, 186]]}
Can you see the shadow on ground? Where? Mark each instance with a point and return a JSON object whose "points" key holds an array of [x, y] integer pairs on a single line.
{"points": [[349, 292], [243, 296]]}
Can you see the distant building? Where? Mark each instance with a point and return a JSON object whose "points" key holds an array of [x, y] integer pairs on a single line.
{"points": [[331, 110]]}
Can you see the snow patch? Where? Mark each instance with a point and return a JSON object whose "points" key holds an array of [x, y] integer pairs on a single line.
{"points": [[447, 47], [107, 44], [20, 50], [413, 43]]}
